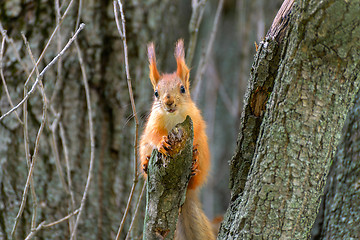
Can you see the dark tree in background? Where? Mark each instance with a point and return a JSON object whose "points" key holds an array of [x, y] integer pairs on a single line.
{"points": [[312, 69], [102, 52], [339, 211]]}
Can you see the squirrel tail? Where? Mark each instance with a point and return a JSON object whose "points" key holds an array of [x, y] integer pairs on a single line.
{"points": [[192, 222]]}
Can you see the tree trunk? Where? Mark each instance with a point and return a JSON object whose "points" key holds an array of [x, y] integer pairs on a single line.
{"points": [[315, 83], [341, 202]]}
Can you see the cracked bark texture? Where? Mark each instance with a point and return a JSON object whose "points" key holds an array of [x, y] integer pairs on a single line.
{"points": [[262, 75], [167, 181], [339, 216], [316, 81]]}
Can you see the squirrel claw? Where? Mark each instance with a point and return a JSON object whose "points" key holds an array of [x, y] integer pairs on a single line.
{"points": [[164, 146], [195, 162], [145, 164]]}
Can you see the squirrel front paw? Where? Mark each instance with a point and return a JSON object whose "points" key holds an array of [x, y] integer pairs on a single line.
{"points": [[195, 161], [164, 146], [145, 164]]}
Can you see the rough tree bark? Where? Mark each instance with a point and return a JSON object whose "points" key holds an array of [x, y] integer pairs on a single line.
{"points": [[291, 151], [263, 74], [168, 177], [339, 218]]}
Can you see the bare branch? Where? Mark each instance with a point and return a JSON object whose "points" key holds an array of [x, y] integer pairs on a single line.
{"points": [[50, 39], [53, 144], [62, 219], [196, 17], [26, 132], [56, 122], [122, 33], [43, 72], [32, 185], [206, 55], [117, 20], [67, 164], [136, 210], [42, 225], [59, 79], [34, 231], [92, 140], [31, 170], [36, 149], [126, 211], [36, 68], [78, 15]]}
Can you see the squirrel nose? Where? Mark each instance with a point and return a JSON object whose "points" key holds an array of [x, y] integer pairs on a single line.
{"points": [[169, 101]]}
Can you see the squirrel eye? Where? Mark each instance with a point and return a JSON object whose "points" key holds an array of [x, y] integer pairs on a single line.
{"points": [[156, 93], [182, 89]]}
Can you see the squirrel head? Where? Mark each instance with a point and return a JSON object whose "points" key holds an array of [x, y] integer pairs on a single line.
{"points": [[171, 90]]}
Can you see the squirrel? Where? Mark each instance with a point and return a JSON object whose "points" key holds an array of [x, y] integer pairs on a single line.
{"points": [[172, 103]]}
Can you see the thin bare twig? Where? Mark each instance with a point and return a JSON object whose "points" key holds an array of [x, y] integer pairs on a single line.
{"points": [[42, 225], [32, 185], [224, 96], [54, 147], [198, 8], [50, 39], [25, 122], [53, 127], [25, 68], [26, 133], [117, 20], [128, 78], [34, 231], [122, 33], [206, 55], [36, 68], [136, 210], [58, 84], [68, 173], [31, 170], [92, 140], [72, 221], [59, 79], [62, 219], [131, 195], [3, 78], [36, 149], [43, 71], [78, 15]]}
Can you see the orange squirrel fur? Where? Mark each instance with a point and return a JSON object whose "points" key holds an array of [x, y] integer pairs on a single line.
{"points": [[172, 103]]}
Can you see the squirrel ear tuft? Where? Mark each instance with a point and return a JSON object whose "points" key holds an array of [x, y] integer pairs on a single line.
{"points": [[154, 74], [182, 70]]}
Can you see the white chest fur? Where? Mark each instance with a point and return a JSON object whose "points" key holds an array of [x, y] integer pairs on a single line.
{"points": [[172, 119]]}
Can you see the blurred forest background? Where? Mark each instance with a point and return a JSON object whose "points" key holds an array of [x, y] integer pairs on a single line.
{"points": [[60, 142]]}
